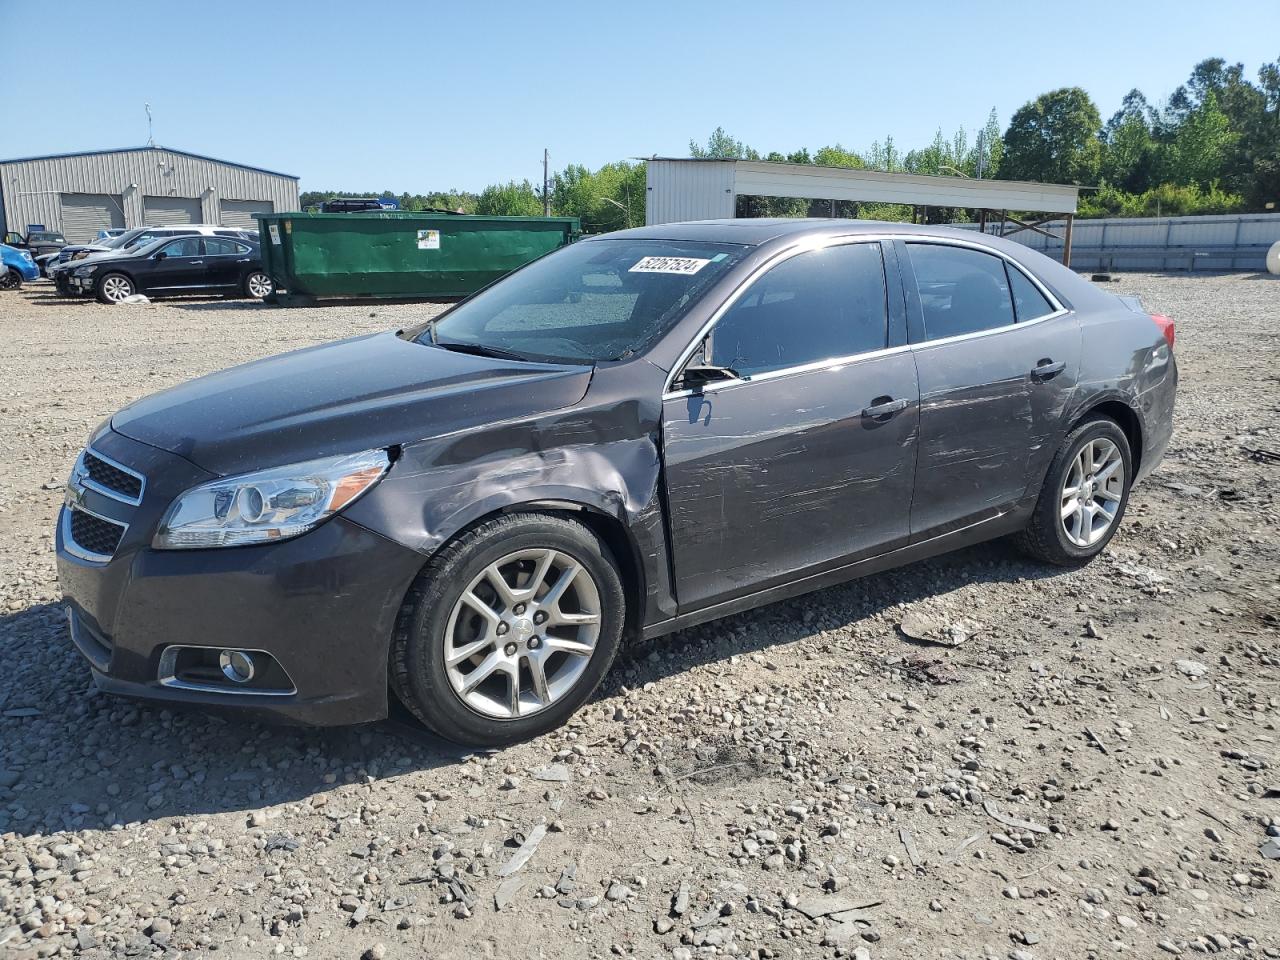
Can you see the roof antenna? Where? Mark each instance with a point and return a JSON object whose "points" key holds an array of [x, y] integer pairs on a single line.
{"points": [[151, 141]]}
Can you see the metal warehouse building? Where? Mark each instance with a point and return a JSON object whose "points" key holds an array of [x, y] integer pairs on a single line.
{"points": [[82, 193]]}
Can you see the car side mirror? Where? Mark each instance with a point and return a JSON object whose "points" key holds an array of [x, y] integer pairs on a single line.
{"points": [[161, 255], [696, 376]]}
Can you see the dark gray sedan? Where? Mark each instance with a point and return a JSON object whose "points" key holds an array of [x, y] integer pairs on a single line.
{"points": [[637, 433]]}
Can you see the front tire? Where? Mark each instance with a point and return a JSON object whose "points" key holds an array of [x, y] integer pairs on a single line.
{"points": [[1084, 496], [114, 288], [11, 279], [508, 630]]}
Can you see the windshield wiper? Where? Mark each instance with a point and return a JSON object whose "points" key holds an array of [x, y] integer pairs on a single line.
{"points": [[476, 349]]}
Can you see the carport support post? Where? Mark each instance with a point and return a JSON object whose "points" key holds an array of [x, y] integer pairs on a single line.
{"points": [[1066, 241]]}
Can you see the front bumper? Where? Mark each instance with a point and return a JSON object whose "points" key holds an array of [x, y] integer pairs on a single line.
{"points": [[322, 605], [83, 286]]}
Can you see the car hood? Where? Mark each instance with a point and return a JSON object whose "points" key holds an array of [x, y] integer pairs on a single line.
{"points": [[344, 397], [97, 256]]}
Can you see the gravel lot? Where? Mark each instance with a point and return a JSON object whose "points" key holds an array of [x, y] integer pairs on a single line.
{"points": [[1092, 771]]}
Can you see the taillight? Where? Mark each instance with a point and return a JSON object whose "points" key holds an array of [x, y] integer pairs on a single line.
{"points": [[1166, 327]]}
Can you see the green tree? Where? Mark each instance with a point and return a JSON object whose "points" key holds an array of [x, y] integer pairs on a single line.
{"points": [[985, 162], [1054, 139], [512, 199], [1129, 149], [1203, 143], [838, 156], [610, 198], [721, 146]]}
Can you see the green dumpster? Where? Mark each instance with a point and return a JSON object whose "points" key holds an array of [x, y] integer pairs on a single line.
{"points": [[315, 256]]}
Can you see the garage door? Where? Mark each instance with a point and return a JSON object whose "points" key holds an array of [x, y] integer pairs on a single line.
{"points": [[239, 213], [164, 211], [84, 214]]}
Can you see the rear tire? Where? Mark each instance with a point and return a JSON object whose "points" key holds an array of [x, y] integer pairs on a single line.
{"points": [[463, 641], [258, 285], [1084, 496]]}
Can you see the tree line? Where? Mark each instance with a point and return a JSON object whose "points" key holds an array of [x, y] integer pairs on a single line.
{"points": [[1212, 147]]}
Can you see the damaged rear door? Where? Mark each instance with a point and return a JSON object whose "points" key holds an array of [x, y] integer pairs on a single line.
{"points": [[997, 362], [803, 454]]}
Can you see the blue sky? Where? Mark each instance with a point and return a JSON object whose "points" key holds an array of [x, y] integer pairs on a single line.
{"points": [[427, 95]]}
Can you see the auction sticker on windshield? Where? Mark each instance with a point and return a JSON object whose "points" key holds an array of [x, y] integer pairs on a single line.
{"points": [[684, 265]]}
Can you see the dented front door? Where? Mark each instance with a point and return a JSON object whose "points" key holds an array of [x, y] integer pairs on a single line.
{"points": [[771, 478]]}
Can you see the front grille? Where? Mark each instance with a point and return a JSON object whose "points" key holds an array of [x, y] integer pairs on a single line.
{"points": [[112, 477], [95, 535]]}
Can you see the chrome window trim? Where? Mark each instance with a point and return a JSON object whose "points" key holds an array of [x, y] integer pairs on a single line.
{"points": [[74, 548], [820, 243], [809, 244], [81, 474], [834, 363], [165, 674], [1058, 311], [1008, 327]]}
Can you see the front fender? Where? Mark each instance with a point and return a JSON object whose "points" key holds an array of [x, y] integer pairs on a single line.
{"points": [[430, 496]]}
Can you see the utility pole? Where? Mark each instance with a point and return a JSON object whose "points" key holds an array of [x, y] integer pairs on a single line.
{"points": [[546, 183], [151, 140]]}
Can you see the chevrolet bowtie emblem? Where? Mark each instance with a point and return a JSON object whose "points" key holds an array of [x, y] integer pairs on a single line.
{"points": [[74, 496]]}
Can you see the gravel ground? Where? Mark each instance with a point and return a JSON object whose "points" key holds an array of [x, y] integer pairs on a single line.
{"points": [[1091, 771]]}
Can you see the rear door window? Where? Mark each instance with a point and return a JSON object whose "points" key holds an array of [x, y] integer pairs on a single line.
{"points": [[219, 247], [1028, 301], [815, 306], [961, 290]]}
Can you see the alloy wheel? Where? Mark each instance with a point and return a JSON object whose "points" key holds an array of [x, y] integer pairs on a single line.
{"points": [[259, 285], [522, 633], [116, 289], [9, 280], [1092, 492]]}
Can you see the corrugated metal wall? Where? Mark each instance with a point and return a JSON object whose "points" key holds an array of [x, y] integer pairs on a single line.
{"points": [[677, 191], [30, 189], [1228, 242]]}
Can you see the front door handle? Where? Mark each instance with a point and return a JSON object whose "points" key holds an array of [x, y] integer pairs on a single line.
{"points": [[197, 263], [1046, 369], [882, 408]]}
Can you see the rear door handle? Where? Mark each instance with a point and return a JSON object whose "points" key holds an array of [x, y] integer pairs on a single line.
{"points": [[1047, 369], [196, 263], [882, 408]]}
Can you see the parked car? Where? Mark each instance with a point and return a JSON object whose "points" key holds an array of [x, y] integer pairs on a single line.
{"points": [[15, 267], [37, 241], [46, 262], [358, 204], [131, 240], [174, 265], [637, 433]]}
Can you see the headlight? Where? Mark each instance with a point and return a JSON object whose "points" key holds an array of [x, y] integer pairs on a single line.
{"points": [[85, 271], [26, 255], [268, 505]]}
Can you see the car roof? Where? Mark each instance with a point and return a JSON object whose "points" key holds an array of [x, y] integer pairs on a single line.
{"points": [[764, 232], [757, 231]]}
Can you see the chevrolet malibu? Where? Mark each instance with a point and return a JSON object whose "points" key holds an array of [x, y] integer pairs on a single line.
{"points": [[638, 433]]}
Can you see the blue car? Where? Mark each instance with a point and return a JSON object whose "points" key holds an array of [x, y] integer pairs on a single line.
{"points": [[15, 266]]}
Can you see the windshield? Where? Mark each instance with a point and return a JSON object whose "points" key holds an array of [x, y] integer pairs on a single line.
{"points": [[46, 238], [595, 300]]}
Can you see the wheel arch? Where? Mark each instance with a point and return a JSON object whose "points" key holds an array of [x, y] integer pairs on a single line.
{"points": [[616, 535], [1115, 408]]}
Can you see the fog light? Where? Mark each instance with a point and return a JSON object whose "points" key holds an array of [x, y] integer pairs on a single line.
{"points": [[237, 666]]}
